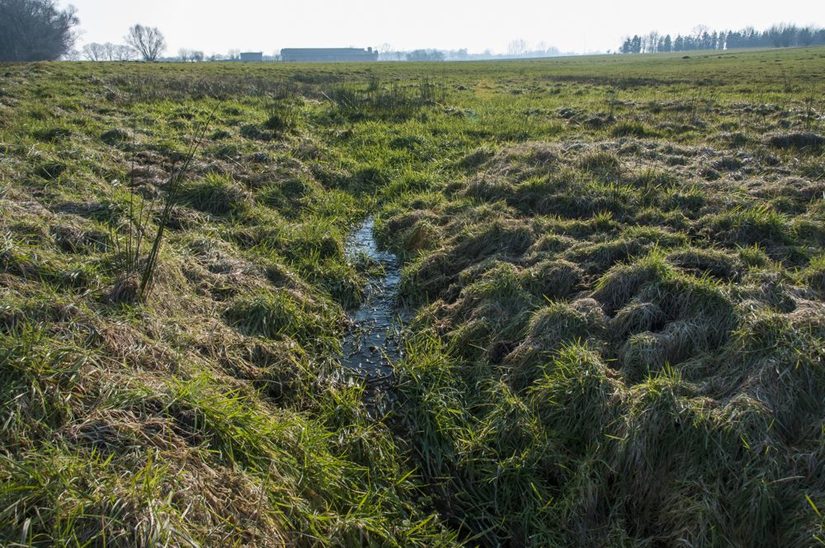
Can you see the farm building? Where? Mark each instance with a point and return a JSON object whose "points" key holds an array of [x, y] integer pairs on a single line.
{"points": [[252, 56], [328, 55]]}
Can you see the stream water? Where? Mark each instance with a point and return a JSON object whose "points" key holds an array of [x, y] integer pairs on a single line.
{"points": [[372, 341]]}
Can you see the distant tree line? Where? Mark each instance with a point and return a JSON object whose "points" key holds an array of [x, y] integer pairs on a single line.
{"points": [[108, 52], [191, 55], [146, 43], [516, 49], [426, 55], [778, 36]]}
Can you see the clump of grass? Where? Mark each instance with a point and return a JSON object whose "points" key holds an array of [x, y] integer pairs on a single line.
{"points": [[476, 158], [280, 312], [48, 268], [646, 354], [74, 239], [495, 458], [623, 282], [253, 132], [631, 129], [315, 250], [116, 137], [549, 329], [46, 501], [421, 237], [662, 410], [214, 194], [281, 118], [497, 237], [801, 141], [786, 349], [575, 400], [686, 297], [315, 487], [432, 274], [603, 165], [573, 195], [814, 274], [712, 262], [281, 370], [500, 305], [51, 171], [754, 256], [759, 225], [290, 197], [387, 103], [690, 200], [596, 258], [489, 188], [406, 142], [637, 317], [814, 169], [553, 279], [735, 139], [53, 134]]}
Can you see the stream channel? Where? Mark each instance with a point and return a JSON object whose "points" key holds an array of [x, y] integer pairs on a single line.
{"points": [[372, 342]]}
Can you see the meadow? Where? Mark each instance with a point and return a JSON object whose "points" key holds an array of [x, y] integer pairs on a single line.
{"points": [[613, 270]]}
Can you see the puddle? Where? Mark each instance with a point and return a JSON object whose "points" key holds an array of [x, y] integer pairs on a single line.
{"points": [[372, 341]]}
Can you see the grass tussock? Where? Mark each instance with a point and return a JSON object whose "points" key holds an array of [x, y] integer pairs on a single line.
{"points": [[630, 375], [214, 195]]}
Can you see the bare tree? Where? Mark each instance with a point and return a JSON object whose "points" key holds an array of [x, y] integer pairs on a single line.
{"points": [[147, 41], [108, 52], [190, 55], [122, 52], [387, 53], [517, 48], [35, 30], [94, 52]]}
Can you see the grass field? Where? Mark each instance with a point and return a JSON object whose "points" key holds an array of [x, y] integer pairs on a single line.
{"points": [[616, 266]]}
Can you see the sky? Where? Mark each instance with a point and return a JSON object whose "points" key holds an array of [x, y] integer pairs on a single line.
{"points": [[217, 26]]}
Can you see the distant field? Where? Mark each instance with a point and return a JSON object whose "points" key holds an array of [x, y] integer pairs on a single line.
{"points": [[613, 266]]}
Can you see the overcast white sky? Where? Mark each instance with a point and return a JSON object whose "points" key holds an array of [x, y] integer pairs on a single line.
{"points": [[576, 25]]}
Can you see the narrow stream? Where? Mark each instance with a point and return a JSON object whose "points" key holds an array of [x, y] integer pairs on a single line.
{"points": [[372, 341]]}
